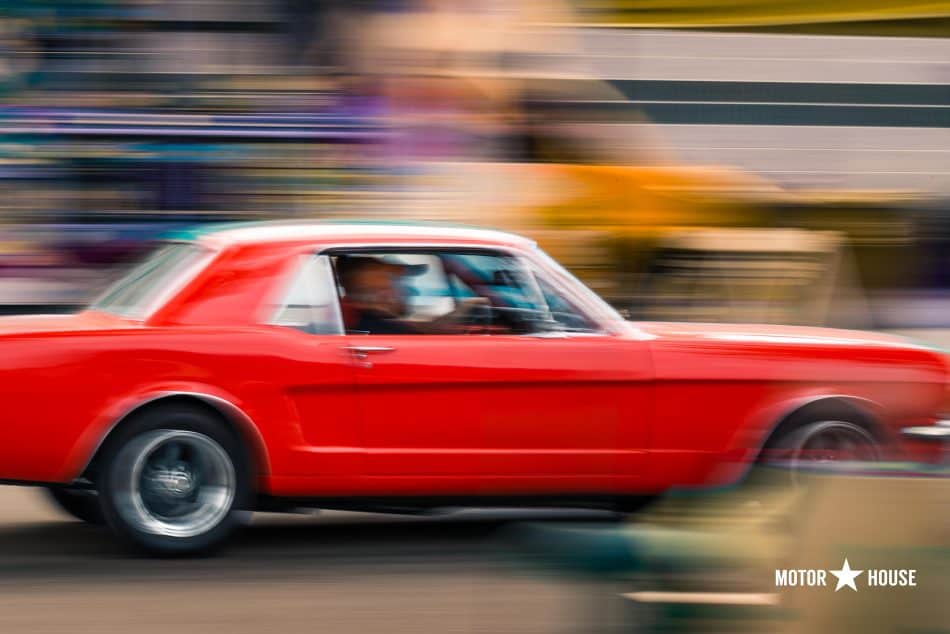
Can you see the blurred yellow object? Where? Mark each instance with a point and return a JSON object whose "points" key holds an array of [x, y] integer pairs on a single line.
{"points": [[630, 199], [602, 220], [700, 13]]}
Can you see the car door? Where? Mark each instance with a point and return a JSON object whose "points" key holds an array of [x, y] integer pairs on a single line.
{"points": [[316, 376], [495, 409]]}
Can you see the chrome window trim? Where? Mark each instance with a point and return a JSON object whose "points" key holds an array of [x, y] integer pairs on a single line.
{"points": [[592, 303], [570, 285], [335, 290], [537, 272]]}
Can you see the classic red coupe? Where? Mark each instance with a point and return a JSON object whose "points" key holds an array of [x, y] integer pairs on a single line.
{"points": [[381, 366]]}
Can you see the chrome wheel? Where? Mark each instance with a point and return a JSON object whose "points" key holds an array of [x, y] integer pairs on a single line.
{"points": [[822, 446], [180, 483]]}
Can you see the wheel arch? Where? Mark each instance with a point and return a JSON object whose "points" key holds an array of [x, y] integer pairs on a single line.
{"points": [[853, 409], [771, 423], [230, 414]]}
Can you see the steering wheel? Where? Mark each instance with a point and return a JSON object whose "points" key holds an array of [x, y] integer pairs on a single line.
{"points": [[479, 317]]}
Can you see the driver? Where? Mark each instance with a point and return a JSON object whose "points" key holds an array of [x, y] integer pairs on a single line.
{"points": [[375, 299]]}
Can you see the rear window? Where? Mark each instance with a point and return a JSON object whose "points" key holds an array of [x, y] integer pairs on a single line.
{"points": [[155, 279]]}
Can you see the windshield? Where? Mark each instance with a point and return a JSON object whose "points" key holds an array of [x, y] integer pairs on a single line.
{"points": [[159, 275]]}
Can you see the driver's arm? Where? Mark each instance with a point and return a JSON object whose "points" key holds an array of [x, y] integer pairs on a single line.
{"points": [[452, 321]]}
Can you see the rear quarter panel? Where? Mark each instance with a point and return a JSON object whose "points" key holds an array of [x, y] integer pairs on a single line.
{"points": [[62, 392]]}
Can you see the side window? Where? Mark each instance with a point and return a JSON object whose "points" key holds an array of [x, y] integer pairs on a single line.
{"points": [[309, 302], [426, 288], [504, 285], [439, 291]]}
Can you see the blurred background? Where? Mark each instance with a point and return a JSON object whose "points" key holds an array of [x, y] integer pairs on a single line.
{"points": [[754, 160], [691, 160]]}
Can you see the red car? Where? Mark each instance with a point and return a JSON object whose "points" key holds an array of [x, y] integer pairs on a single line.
{"points": [[381, 366]]}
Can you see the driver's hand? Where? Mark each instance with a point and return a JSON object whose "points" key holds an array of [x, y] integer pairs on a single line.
{"points": [[466, 307], [463, 310], [468, 304]]}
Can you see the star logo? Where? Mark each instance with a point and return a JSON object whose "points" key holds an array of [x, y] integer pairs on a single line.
{"points": [[846, 576]]}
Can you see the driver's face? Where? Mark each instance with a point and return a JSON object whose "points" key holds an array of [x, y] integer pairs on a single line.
{"points": [[379, 288]]}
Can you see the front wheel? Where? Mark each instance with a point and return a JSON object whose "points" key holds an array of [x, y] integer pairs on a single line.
{"points": [[821, 444], [175, 482]]}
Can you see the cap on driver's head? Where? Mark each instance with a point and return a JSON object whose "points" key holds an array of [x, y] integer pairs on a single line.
{"points": [[348, 265], [405, 269]]}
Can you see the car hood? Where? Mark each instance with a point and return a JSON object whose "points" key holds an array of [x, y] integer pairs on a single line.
{"points": [[769, 334], [39, 324]]}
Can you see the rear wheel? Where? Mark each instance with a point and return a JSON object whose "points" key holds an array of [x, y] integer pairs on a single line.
{"points": [[83, 504], [175, 481]]}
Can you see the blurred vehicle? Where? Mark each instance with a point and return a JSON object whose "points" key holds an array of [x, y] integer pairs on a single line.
{"points": [[763, 275], [710, 244], [381, 366]]}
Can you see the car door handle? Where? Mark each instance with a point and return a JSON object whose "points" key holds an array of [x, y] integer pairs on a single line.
{"points": [[361, 352]]}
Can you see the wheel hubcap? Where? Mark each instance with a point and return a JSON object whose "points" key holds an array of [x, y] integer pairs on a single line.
{"points": [[831, 443], [835, 442], [177, 483], [181, 484]]}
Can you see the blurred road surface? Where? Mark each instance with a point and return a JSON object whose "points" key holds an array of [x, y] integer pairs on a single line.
{"points": [[333, 572]]}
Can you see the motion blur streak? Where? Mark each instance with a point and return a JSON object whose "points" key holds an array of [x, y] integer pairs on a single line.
{"points": [[709, 563], [343, 572], [634, 155], [690, 161]]}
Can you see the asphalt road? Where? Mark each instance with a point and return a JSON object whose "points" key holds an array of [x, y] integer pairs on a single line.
{"points": [[329, 572]]}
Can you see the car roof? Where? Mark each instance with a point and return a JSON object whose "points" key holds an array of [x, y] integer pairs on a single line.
{"points": [[292, 232]]}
